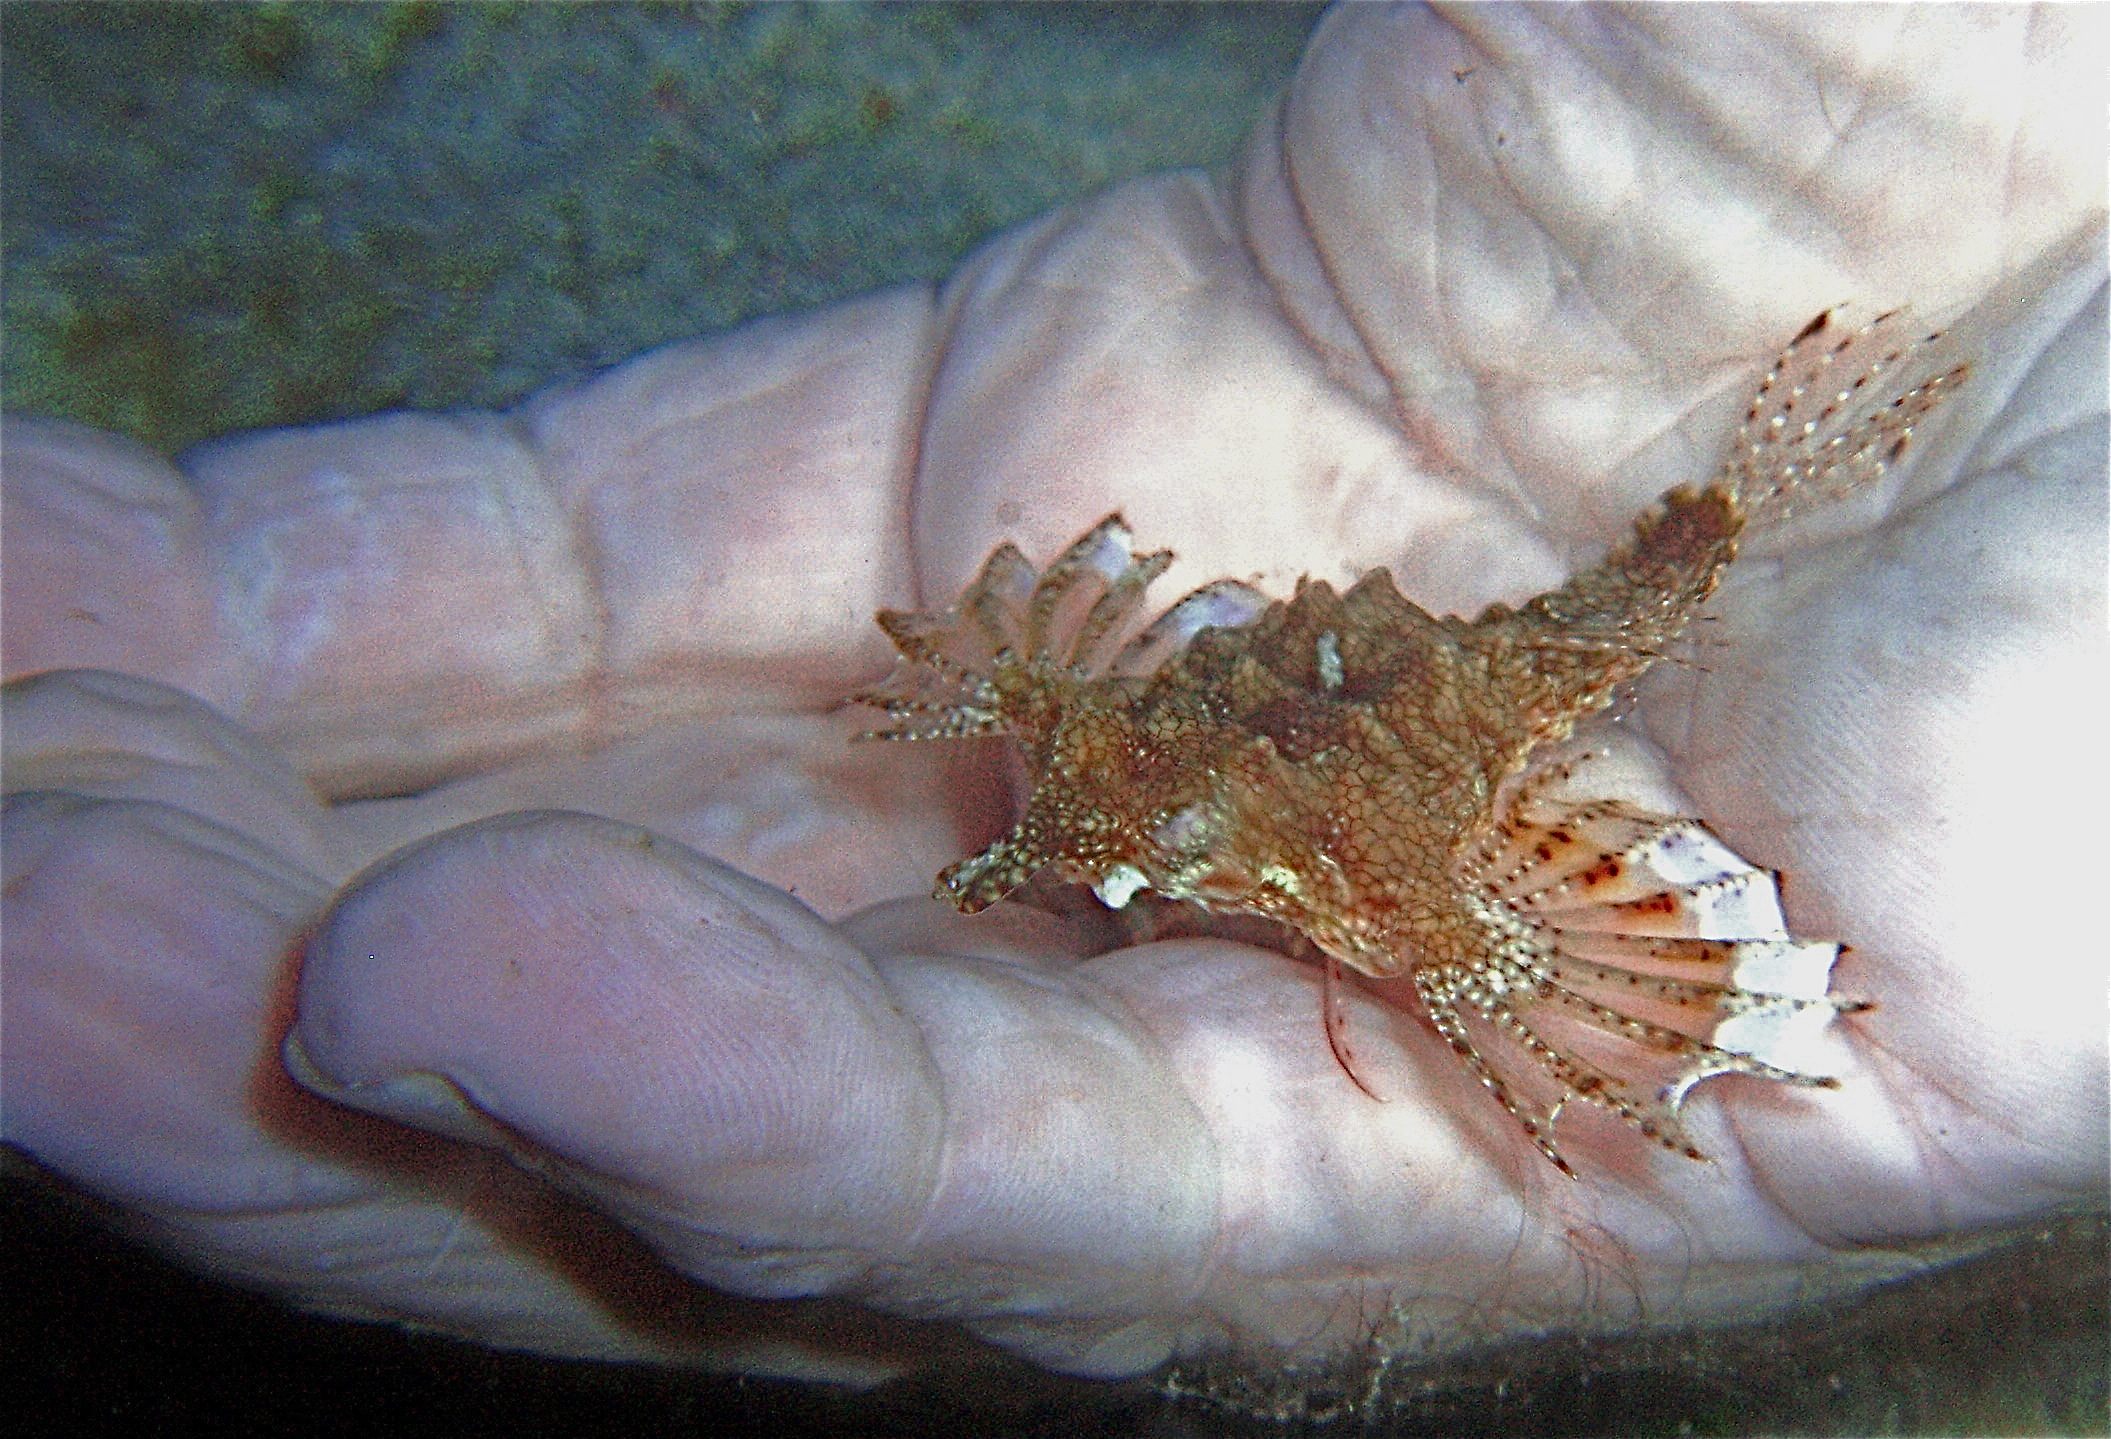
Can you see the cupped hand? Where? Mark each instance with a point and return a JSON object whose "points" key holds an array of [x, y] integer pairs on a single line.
{"points": [[503, 757]]}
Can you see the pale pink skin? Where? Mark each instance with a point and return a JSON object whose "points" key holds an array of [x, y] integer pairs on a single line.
{"points": [[1493, 281]]}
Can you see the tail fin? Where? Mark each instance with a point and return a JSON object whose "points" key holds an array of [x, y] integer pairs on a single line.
{"points": [[1833, 414]]}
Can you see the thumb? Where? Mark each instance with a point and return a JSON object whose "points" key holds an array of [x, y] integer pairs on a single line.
{"points": [[690, 1049]]}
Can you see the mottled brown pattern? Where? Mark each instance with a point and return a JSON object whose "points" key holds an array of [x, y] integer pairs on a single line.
{"points": [[1373, 777]]}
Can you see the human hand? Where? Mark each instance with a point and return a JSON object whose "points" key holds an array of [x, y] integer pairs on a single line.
{"points": [[1502, 308]]}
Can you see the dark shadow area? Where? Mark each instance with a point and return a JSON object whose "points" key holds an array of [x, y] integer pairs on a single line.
{"points": [[102, 1335]]}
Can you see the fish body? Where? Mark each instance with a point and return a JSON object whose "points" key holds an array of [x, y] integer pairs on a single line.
{"points": [[1392, 785]]}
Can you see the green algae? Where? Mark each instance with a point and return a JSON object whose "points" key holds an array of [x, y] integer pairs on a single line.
{"points": [[219, 217]]}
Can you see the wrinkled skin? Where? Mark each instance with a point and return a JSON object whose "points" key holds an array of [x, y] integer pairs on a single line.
{"points": [[639, 920]]}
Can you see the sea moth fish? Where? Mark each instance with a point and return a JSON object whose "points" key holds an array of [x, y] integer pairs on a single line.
{"points": [[1392, 786]]}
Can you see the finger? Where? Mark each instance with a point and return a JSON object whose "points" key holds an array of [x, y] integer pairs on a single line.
{"points": [[632, 1010], [100, 734], [106, 564], [397, 599]]}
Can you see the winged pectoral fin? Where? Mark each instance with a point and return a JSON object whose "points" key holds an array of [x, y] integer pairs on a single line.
{"points": [[1641, 956]]}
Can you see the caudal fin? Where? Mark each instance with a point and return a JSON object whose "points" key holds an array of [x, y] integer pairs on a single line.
{"points": [[1834, 412]]}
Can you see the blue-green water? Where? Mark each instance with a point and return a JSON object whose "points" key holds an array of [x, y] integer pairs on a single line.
{"points": [[224, 216]]}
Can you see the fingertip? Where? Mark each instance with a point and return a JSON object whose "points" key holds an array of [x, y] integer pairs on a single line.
{"points": [[105, 560]]}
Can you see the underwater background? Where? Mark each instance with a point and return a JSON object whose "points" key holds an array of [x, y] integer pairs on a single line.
{"points": [[223, 216]]}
